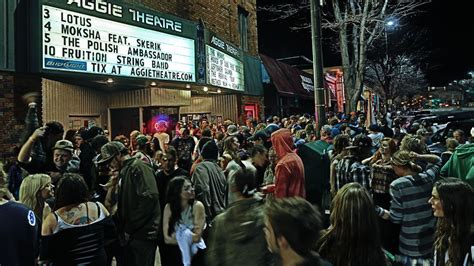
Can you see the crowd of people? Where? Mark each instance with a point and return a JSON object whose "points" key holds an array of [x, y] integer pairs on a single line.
{"points": [[202, 193]]}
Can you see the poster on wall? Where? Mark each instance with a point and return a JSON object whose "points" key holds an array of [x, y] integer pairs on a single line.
{"points": [[83, 43], [224, 65]]}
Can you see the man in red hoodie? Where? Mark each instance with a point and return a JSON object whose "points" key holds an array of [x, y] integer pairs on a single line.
{"points": [[289, 171]]}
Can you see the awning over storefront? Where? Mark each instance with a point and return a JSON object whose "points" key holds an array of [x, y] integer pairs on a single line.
{"points": [[288, 81], [253, 76]]}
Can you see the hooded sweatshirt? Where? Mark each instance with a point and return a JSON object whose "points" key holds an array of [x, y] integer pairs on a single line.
{"points": [[289, 171], [461, 164]]}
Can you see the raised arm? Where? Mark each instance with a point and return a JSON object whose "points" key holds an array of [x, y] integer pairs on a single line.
{"points": [[25, 152]]}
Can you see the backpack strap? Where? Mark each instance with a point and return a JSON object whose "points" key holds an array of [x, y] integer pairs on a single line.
{"points": [[98, 210], [87, 212]]}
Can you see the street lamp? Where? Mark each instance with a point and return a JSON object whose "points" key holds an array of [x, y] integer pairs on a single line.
{"points": [[390, 24]]}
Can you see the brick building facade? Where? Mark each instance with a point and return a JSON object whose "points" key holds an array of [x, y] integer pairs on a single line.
{"points": [[223, 17], [219, 16]]}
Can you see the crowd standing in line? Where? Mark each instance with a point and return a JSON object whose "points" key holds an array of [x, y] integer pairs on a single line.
{"points": [[201, 193]]}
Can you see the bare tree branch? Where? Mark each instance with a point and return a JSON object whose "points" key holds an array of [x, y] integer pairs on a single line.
{"points": [[359, 24]]}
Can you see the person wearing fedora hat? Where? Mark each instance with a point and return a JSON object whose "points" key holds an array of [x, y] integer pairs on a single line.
{"points": [[138, 214]]}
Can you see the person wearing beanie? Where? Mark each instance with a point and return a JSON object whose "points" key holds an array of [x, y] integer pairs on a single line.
{"points": [[210, 182], [210, 151]]}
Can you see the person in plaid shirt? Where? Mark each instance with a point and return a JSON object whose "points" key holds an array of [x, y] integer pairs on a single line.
{"points": [[350, 168]]}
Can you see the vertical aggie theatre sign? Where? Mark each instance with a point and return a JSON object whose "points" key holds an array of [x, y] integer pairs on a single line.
{"points": [[107, 38], [224, 64]]}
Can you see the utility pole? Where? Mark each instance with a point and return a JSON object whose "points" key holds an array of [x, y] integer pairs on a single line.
{"points": [[319, 106]]}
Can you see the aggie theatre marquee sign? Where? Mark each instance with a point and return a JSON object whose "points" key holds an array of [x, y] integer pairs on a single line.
{"points": [[102, 37]]}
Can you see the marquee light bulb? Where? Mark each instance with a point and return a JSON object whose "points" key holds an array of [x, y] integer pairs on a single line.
{"points": [[205, 89]]}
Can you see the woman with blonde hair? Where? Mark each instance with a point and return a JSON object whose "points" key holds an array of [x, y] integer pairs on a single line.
{"points": [[34, 191]]}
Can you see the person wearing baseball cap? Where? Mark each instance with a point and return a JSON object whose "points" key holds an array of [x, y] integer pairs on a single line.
{"points": [[138, 214], [260, 137], [232, 130], [64, 160]]}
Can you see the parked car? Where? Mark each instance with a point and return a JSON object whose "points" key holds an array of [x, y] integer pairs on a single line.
{"points": [[446, 118], [439, 137]]}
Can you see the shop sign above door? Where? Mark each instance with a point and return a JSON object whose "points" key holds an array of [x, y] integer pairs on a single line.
{"points": [[108, 38]]}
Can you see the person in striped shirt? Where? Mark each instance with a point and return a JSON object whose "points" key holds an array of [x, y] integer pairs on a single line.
{"points": [[409, 206]]}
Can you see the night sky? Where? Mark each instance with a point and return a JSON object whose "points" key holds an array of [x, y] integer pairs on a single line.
{"points": [[450, 42]]}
